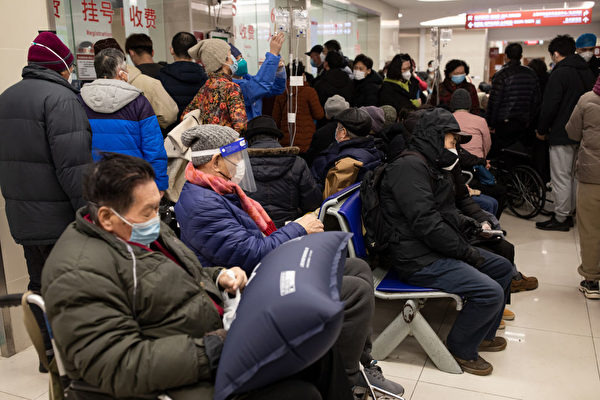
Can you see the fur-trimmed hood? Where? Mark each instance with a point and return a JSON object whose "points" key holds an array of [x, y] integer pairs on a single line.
{"points": [[273, 152]]}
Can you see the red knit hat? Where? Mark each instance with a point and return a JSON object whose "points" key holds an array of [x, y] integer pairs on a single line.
{"points": [[44, 56]]}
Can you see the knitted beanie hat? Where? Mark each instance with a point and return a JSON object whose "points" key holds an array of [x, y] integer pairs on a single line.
{"points": [[389, 115], [207, 137], [377, 117], [40, 55], [461, 100], [334, 105], [211, 52], [355, 120]]}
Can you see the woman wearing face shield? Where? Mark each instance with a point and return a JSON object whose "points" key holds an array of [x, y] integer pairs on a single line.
{"points": [[220, 100], [219, 222]]}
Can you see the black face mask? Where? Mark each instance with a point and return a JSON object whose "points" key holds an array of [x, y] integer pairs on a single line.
{"points": [[446, 159]]}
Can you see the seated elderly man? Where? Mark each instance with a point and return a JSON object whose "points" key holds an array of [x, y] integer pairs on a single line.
{"points": [[224, 226], [428, 241], [345, 162], [132, 310]]}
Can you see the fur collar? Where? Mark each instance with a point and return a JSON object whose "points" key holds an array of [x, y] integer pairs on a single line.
{"points": [[273, 152]]}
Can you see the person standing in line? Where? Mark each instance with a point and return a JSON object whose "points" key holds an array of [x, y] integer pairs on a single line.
{"points": [[45, 144], [584, 127], [586, 44]]}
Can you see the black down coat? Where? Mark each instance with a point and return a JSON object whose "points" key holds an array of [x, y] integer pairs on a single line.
{"points": [[366, 91], [418, 200], [332, 82], [45, 144], [391, 94], [569, 79], [515, 95], [285, 187], [182, 80]]}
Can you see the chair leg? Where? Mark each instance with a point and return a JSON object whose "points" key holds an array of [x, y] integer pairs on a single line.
{"points": [[433, 346], [391, 337]]}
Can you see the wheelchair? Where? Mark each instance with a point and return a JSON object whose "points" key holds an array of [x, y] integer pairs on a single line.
{"points": [[526, 191]]}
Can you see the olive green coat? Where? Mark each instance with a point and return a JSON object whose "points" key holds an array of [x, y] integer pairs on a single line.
{"points": [[127, 335]]}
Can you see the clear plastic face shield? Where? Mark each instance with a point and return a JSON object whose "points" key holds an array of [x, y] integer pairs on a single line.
{"points": [[237, 161]]}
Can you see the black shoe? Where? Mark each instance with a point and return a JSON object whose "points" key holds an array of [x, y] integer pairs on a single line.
{"points": [[553, 225], [42, 369], [570, 221], [590, 289]]}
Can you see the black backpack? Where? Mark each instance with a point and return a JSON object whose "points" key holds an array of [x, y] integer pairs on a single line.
{"points": [[373, 222]]}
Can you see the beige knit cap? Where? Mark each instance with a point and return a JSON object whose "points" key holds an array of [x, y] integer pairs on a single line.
{"points": [[211, 52]]}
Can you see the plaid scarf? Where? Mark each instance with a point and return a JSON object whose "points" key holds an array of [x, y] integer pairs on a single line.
{"points": [[222, 186]]}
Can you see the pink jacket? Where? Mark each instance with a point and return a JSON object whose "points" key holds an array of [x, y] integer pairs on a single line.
{"points": [[477, 127]]}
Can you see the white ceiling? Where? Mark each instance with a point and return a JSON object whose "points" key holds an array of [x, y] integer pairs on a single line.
{"points": [[414, 12]]}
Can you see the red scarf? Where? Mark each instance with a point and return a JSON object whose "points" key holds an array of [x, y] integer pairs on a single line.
{"points": [[222, 186]]}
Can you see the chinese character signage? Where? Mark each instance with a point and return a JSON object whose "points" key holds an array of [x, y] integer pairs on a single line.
{"points": [[522, 19]]}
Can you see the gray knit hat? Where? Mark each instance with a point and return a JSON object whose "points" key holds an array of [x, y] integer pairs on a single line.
{"points": [[334, 105], [461, 100], [389, 115], [207, 137], [211, 52]]}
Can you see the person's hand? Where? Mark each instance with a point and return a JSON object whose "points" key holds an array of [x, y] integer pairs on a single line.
{"points": [[231, 285], [540, 137], [487, 164], [281, 65], [311, 224], [276, 43]]}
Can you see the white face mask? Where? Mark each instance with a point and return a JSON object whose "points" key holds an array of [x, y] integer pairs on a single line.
{"points": [[406, 75], [430, 69], [359, 75], [449, 168], [70, 78], [322, 57], [587, 55], [240, 171]]}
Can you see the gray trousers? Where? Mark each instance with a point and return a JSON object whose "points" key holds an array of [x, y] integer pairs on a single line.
{"points": [[357, 294], [564, 186]]}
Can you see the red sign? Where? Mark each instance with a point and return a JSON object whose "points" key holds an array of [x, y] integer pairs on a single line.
{"points": [[521, 19]]}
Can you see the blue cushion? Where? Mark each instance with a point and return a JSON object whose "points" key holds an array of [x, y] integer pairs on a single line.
{"points": [[289, 316], [351, 211], [391, 283]]}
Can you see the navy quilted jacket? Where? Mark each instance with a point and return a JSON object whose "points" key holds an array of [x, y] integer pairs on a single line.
{"points": [[221, 233]]}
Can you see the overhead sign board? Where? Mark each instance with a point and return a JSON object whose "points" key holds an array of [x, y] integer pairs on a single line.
{"points": [[522, 19]]}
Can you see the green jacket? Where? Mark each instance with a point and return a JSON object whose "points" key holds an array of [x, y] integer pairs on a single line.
{"points": [[130, 341]]}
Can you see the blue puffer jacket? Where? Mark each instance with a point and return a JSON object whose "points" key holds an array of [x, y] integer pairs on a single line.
{"points": [[123, 121], [266, 83], [221, 233]]}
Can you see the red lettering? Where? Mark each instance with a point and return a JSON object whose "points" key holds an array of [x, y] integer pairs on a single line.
{"points": [[90, 11], [107, 11], [150, 15], [56, 4], [135, 16]]}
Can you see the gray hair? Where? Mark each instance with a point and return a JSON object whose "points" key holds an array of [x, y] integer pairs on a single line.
{"points": [[109, 62]]}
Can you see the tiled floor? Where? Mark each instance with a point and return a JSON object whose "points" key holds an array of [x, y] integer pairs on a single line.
{"points": [[554, 342]]}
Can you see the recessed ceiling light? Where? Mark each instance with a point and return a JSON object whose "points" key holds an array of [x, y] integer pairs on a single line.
{"points": [[399, 15]]}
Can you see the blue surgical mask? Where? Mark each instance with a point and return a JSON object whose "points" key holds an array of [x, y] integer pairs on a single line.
{"points": [[144, 232], [234, 66], [313, 63], [458, 79], [242, 67]]}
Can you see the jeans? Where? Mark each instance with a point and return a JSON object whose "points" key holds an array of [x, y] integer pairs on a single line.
{"points": [[487, 203], [485, 291]]}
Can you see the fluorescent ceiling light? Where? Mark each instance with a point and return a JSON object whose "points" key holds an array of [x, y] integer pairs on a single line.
{"points": [[394, 23], [400, 15], [455, 20]]}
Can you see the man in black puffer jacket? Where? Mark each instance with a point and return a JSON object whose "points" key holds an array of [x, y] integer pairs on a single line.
{"points": [[334, 80], [429, 239], [285, 187], [514, 101], [45, 144]]}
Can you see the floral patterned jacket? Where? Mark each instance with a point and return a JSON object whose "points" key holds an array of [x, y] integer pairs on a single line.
{"points": [[220, 102]]}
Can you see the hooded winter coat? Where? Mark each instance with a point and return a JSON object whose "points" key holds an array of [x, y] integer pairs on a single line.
{"points": [[182, 80], [332, 82], [45, 146], [123, 122], [366, 90], [584, 127], [569, 79], [163, 105], [284, 185], [221, 233], [418, 202], [130, 335], [345, 163]]}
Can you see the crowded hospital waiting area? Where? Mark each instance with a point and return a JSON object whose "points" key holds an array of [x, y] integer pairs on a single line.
{"points": [[299, 200]]}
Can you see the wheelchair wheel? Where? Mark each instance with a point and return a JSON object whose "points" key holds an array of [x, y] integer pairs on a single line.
{"points": [[526, 194]]}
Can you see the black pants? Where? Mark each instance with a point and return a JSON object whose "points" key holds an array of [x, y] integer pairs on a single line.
{"points": [[324, 380], [36, 256]]}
